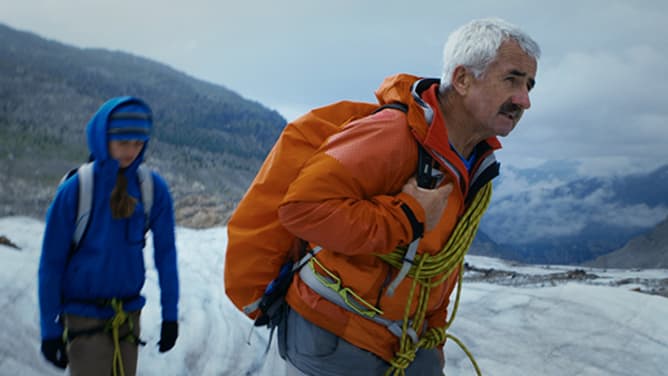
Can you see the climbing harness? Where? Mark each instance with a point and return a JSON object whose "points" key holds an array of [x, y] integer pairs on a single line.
{"points": [[112, 326]]}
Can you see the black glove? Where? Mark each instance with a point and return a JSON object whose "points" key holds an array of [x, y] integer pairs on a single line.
{"points": [[168, 334], [55, 352]]}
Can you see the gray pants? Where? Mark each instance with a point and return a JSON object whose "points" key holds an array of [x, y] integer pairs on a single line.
{"points": [[311, 350], [93, 354]]}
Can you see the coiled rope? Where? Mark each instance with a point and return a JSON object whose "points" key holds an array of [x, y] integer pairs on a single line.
{"points": [[114, 325], [429, 271]]}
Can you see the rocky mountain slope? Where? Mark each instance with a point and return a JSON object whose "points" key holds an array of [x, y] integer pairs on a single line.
{"points": [[208, 141], [647, 251]]}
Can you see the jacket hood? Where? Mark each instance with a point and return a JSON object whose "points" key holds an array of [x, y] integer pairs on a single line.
{"points": [[408, 89], [97, 130], [401, 88], [428, 125]]}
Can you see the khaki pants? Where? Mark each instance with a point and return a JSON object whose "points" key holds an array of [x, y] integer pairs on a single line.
{"points": [[92, 355]]}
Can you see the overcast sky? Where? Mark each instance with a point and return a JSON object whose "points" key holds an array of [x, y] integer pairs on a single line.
{"points": [[601, 85]]}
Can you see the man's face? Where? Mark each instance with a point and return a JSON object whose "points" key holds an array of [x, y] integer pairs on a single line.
{"points": [[497, 100], [126, 151]]}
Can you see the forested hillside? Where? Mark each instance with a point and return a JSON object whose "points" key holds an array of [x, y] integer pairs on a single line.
{"points": [[208, 141]]}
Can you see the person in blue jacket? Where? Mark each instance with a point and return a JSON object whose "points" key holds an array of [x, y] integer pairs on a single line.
{"points": [[89, 295]]}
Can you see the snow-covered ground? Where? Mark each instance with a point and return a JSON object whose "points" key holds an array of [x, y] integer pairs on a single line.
{"points": [[555, 327]]}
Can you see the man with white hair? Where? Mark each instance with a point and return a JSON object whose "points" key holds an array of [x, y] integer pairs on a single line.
{"points": [[374, 300]]}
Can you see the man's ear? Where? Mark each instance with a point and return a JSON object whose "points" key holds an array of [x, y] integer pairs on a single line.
{"points": [[461, 79]]}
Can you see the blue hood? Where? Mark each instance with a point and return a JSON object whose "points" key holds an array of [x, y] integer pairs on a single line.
{"points": [[98, 126]]}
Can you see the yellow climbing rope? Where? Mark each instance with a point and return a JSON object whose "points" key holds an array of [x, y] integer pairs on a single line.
{"points": [[114, 325], [429, 271]]}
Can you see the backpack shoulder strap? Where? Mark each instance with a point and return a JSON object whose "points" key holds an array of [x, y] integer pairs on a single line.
{"points": [[394, 105], [85, 202], [426, 176], [146, 185], [85, 176]]}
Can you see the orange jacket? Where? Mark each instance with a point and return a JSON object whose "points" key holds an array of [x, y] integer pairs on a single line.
{"points": [[347, 199], [258, 245]]}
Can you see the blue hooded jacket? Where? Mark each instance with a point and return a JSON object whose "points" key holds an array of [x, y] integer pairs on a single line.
{"points": [[109, 262]]}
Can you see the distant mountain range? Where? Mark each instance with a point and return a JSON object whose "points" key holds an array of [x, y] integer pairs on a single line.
{"points": [[647, 251], [539, 218], [208, 141]]}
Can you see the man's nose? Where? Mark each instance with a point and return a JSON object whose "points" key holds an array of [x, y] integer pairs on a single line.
{"points": [[522, 99]]}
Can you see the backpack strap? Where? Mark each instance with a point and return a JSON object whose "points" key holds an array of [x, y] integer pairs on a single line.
{"points": [[269, 290], [316, 282], [85, 176], [85, 202], [394, 105], [426, 177], [146, 184]]}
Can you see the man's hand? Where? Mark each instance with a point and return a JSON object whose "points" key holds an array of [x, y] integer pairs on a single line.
{"points": [[55, 352], [433, 201]]}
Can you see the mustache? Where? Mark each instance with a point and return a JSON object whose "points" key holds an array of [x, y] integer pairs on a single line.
{"points": [[510, 108]]}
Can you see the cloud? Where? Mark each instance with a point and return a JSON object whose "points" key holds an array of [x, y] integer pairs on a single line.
{"points": [[528, 211], [634, 216], [600, 80], [596, 105], [513, 182]]}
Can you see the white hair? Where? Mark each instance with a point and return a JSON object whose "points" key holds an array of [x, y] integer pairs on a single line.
{"points": [[475, 45]]}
